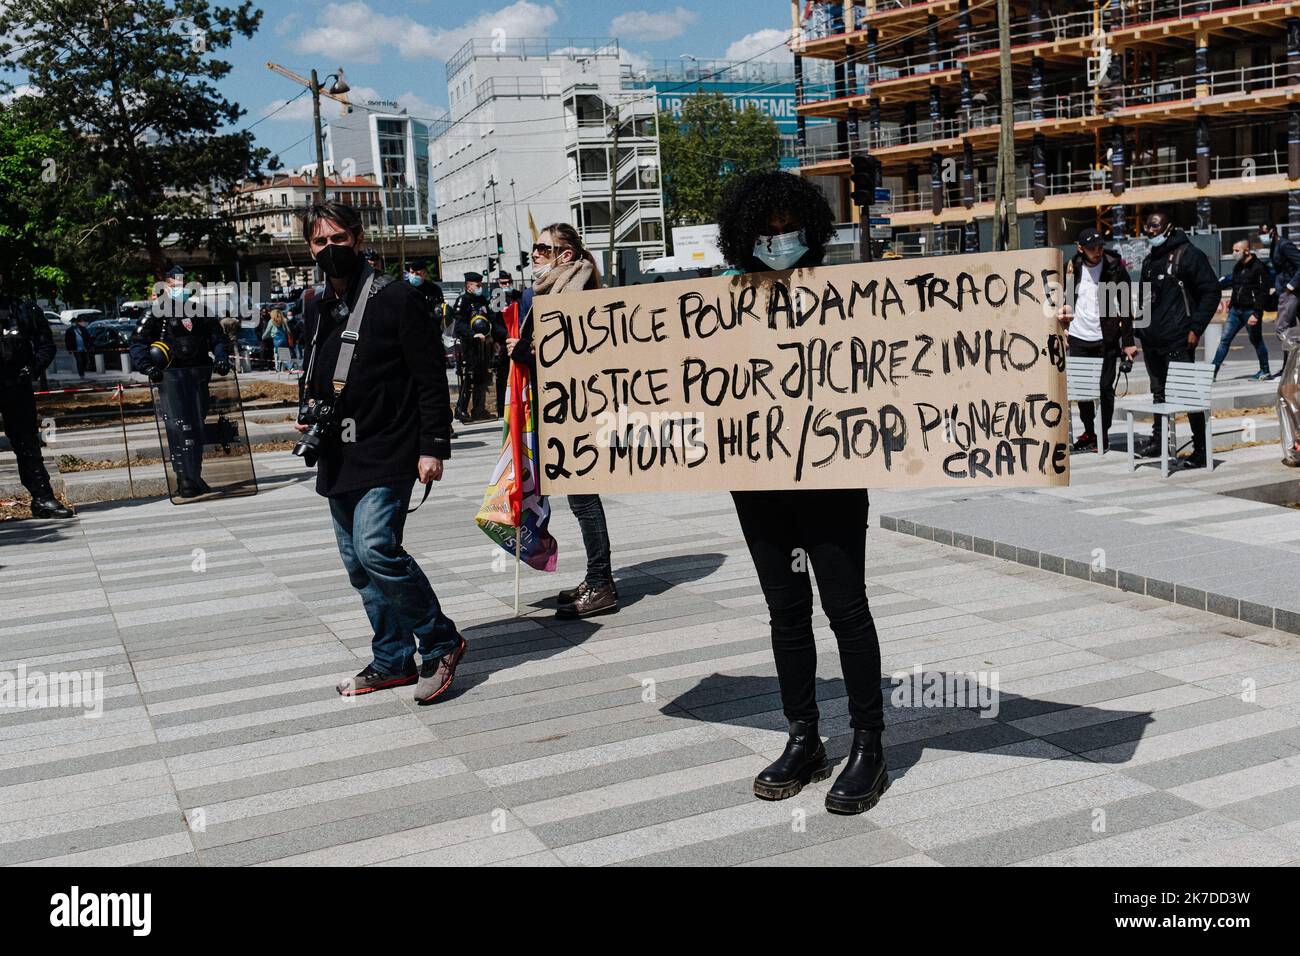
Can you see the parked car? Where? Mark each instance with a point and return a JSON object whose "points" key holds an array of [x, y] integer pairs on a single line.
{"points": [[250, 346], [134, 311], [69, 316], [109, 335]]}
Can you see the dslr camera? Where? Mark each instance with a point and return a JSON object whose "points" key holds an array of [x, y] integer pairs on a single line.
{"points": [[1125, 364], [322, 426]]}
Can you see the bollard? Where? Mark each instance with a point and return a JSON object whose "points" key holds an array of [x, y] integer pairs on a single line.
{"points": [[1210, 341], [125, 359], [99, 362]]}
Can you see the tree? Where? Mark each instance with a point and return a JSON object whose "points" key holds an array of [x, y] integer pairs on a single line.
{"points": [[710, 143], [132, 84]]}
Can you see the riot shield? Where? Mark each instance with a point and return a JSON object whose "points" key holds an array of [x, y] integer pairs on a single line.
{"points": [[204, 440]]}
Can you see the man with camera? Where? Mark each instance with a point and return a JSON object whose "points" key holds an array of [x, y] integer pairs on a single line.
{"points": [[1180, 295], [375, 418], [1100, 325], [26, 349]]}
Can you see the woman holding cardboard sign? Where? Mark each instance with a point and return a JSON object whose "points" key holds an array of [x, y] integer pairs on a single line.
{"points": [[562, 264], [776, 221]]}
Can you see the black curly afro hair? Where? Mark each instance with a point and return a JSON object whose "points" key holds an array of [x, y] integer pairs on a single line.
{"points": [[748, 204]]}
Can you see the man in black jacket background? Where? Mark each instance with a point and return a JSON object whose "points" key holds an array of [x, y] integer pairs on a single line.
{"points": [[26, 350], [390, 426], [1180, 293], [1249, 282], [1100, 321]]}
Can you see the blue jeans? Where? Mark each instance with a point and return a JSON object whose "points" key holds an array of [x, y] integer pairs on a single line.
{"points": [[1236, 319], [398, 598]]}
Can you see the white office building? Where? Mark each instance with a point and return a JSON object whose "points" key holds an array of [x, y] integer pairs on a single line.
{"points": [[530, 131], [378, 139]]}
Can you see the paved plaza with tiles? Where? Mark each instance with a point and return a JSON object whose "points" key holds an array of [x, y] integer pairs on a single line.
{"points": [[1130, 728]]}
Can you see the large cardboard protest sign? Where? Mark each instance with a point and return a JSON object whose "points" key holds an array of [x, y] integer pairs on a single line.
{"points": [[945, 371]]}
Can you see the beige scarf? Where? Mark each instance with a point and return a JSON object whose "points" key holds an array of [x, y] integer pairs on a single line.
{"points": [[565, 277]]}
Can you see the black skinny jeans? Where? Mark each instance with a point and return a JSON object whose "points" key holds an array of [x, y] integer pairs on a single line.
{"points": [[793, 533], [1109, 356], [595, 538]]}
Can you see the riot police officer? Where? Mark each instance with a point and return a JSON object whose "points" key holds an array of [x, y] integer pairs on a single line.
{"points": [[473, 331], [178, 335], [26, 349], [502, 296], [430, 291]]}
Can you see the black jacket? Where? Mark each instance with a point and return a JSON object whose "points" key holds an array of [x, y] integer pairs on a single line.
{"points": [[190, 337], [70, 338], [396, 396], [1250, 282], [1181, 292], [1284, 257], [28, 343], [1117, 308]]}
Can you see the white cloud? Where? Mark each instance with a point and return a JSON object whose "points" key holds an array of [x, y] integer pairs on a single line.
{"points": [[644, 25], [288, 24], [761, 45], [353, 31], [22, 89]]}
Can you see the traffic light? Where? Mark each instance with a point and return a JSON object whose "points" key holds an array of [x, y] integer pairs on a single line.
{"points": [[500, 246], [492, 264], [865, 178], [523, 260]]}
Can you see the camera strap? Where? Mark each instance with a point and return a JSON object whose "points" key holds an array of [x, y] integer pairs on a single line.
{"points": [[352, 334], [428, 486]]}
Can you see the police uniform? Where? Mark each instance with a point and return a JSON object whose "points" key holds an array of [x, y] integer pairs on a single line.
{"points": [[474, 355], [187, 338], [501, 370], [26, 350]]}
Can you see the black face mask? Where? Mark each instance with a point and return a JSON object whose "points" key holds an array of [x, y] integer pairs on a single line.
{"points": [[338, 262]]}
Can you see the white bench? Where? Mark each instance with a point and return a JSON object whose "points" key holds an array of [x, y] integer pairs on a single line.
{"points": [[1187, 389], [1083, 384]]}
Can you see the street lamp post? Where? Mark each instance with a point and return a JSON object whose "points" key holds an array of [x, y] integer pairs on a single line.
{"points": [[338, 88], [519, 241]]}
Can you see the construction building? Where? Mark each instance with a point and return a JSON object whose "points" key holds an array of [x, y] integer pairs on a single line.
{"points": [[1119, 105]]}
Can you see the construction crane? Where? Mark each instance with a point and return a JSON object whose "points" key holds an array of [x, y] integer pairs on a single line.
{"points": [[341, 97]]}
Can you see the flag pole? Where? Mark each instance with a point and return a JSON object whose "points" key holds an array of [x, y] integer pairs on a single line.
{"points": [[518, 535]]}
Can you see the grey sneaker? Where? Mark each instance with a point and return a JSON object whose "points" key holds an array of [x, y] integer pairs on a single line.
{"points": [[437, 674], [371, 680]]}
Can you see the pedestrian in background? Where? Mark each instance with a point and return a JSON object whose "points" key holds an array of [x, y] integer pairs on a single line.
{"points": [[1249, 282], [1099, 321], [1180, 295], [77, 342], [1284, 257]]}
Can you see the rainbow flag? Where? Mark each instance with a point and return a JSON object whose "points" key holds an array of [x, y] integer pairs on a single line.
{"points": [[511, 505]]}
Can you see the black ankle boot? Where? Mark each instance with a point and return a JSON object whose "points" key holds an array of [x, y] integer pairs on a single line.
{"points": [[864, 778], [803, 762]]}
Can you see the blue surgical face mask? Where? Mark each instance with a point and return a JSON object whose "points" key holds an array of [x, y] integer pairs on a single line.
{"points": [[1157, 241], [781, 251], [178, 292], [414, 279]]}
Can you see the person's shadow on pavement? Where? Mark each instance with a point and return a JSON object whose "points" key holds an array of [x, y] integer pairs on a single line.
{"points": [[499, 641], [755, 701]]}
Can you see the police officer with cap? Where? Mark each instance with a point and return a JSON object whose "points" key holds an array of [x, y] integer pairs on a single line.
{"points": [[473, 332], [178, 334], [26, 350], [502, 296], [418, 276]]}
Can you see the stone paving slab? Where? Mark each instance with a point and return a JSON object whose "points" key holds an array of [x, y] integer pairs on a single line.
{"points": [[1129, 728]]}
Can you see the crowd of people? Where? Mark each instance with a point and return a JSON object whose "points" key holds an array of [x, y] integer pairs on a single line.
{"points": [[373, 357]]}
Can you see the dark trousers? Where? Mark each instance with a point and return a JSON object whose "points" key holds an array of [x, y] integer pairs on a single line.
{"points": [[595, 538], [83, 360], [1109, 355], [1157, 363], [789, 534], [18, 408], [182, 399]]}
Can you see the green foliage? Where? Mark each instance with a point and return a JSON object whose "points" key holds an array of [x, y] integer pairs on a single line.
{"points": [[130, 91], [711, 143]]}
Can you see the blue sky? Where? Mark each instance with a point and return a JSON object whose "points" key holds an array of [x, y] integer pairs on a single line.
{"points": [[396, 49]]}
